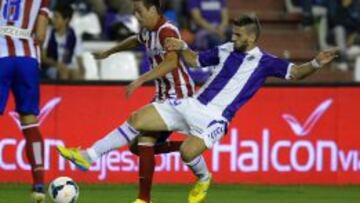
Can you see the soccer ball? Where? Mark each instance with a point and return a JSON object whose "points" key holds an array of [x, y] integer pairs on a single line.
{"points": [[63, 190]]}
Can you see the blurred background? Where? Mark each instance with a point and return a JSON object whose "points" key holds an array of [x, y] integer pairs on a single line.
{"points": [[293, 137], [292, 29]]}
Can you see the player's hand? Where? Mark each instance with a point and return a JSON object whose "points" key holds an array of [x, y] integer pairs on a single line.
{"points": [[100, 55], [173, 44], [132, 87], [326, 56]]}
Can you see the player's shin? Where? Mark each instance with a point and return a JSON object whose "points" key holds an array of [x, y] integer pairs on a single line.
{"points": [[35, 154], [117, 138]]}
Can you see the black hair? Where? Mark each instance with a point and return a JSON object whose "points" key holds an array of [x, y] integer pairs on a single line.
{"points": [[65, 10], [252, 23], [148, 3]]}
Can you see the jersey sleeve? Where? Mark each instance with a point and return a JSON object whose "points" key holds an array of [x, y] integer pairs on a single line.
{"points": [[167, 32], [277, 67], [44, 8], [209, 58]]}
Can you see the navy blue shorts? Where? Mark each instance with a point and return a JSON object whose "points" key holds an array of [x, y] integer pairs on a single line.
{"points": [[21, 76]]}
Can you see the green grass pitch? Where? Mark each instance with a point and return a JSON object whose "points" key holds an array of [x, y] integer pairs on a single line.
{"points": [[12, 193]]}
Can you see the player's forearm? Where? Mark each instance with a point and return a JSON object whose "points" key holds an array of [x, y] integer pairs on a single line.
{"points": [[303, 71], [321, 59], [165, 67], [190, 57], [127, 44], [41, 27]]}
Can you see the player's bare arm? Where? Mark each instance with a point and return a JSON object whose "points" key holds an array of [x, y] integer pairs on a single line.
{"points": [[169, 64], [41, 27], [129, 43], [306, 69], [190, 57]]}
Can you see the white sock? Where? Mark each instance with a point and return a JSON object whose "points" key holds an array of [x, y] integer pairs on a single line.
{"points": [[117, 138], [199, 168]]}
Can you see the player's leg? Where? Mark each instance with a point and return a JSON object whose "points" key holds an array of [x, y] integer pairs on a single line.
{"points": [[146, 146], [26, 88], [191, 151], [145, 119], [206, 128]]}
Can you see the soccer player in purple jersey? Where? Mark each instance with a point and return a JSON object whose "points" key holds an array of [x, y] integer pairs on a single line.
{"points": [[240, 69]]}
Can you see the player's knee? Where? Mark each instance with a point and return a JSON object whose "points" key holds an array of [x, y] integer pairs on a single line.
{"points": [[28, 119]]}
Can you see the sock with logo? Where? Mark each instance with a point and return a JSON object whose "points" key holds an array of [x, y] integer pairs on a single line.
{"points": [[117, 138], [35, 153]]}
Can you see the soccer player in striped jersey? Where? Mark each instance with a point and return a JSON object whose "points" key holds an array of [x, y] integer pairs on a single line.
{"points": [[176, 84], [23, 26]]}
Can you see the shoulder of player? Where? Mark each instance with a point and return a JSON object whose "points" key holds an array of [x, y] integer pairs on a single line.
{"points": [[266, 56], [168, 27]]}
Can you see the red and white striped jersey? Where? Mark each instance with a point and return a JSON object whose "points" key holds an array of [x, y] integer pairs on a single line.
{"points": [[20, 15], [176, 84]]}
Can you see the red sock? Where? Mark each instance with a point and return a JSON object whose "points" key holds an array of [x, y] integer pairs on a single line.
{"points": [[35, 154], [167, 147], [146, 171]]}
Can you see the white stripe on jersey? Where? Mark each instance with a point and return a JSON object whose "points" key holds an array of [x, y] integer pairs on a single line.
{"points": [[237, 82], [19, 48], [223, 55], [3, 44], [35, 10], [182, 79]]}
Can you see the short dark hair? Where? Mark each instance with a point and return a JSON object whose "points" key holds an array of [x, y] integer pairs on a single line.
{"points": [[65, 10], [149, 3], [252, 23]]}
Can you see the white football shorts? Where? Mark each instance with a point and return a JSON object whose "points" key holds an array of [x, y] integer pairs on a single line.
{"points": [[190, 117]]}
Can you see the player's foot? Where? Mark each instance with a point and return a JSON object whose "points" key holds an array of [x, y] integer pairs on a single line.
{"points": [[199, 192], [74, 156], [37, 197], [140, 201]]}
